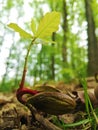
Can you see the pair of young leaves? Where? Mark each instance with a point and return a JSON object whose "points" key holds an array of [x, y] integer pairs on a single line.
{"points": [[48, 24]]}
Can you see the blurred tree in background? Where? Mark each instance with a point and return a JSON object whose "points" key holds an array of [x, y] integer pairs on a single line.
{"points": [[92, 39], [74, 52]]}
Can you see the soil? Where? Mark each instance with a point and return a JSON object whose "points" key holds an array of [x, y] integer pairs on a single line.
{"points": [[15, 116]]}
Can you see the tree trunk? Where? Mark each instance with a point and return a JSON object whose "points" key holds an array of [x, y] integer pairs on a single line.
{"points": [[65, 28], [92, 67], [53, 60]]}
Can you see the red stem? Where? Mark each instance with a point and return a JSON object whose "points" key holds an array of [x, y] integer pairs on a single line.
{"points": [[21, 92], [25, 65], [23, 79]]}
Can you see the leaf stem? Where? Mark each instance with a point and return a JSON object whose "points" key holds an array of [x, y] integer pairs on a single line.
{"points": [[25, 64]]}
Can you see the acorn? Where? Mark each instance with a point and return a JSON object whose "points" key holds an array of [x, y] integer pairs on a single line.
{"points": [[46, 88], [53, 103]]}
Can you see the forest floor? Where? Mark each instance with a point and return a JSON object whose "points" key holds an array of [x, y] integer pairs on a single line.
{"points": [[15, 116]]}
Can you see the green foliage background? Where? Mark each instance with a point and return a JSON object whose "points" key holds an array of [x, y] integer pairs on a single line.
{"points": [[46, 62]]}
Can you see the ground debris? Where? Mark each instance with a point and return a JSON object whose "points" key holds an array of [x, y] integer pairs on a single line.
{"points": [[15, 116]]}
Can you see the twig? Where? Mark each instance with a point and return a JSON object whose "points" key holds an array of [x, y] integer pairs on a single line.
{"points": [[46, 124]]}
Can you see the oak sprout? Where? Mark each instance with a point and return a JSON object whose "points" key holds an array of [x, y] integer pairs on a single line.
{"points": [[48, 24]]}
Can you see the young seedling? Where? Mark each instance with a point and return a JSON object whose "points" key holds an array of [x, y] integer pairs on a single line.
{"points": [[47, 26], [63, 103]]}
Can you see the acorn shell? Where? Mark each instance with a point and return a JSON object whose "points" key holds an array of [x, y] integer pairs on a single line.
{"points": [[46, 88], [54, 103]]}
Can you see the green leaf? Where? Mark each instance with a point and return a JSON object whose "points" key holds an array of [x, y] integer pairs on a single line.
{"points": [[18, 29], [48, 24], [33, 26]]}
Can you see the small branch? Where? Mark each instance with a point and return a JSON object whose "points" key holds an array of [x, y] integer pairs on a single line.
{"points": [[46, 124]]}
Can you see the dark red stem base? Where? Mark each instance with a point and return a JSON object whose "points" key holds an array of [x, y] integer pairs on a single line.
{"points": [[22, 91]]}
